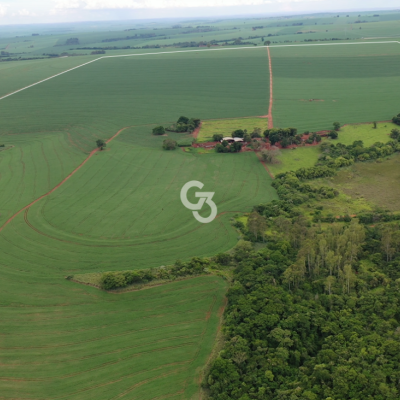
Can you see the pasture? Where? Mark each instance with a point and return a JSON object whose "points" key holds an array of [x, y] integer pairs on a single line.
{"points": [[227, 126], [366, 132], [375, 183], [290, 160]]}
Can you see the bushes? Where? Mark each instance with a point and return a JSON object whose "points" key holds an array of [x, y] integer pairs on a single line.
{"points": [[184, 124], [218, 137], [169, 144], [196, 266], [396, 119], [226, 148], [276, 135], [333, 135], [158, 130], [340, 155]]}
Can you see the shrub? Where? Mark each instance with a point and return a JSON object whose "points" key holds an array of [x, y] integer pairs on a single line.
{"points": [[169, 144], [239, 133], [333, 134], [219, 148], [217, 137], [158, 130], [395, 133], [183, 120], [112, 280]]}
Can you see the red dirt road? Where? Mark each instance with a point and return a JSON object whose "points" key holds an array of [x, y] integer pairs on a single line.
{"points": [[195, 133], [271, 99], [61, 183]]}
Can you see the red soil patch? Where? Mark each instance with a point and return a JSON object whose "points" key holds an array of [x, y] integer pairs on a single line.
{"points": [[92, 153], [195, 133], [270, 121], [222, 308]]}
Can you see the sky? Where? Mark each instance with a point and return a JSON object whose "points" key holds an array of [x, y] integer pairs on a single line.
{"points": [[42, 11]]}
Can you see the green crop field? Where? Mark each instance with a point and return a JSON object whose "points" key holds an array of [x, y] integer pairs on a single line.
{"points": [[315, 86], [227, 126], [65, 341], [121, 210]]}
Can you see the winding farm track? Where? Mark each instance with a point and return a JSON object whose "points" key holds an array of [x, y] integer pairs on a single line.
{"points": [[92, 153], [271, 98]]}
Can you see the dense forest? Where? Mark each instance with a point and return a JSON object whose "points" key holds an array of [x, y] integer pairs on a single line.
{"points": [[313, 315], [313, 309]]}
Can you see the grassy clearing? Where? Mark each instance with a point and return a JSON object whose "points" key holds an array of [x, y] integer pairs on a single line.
{"points": [[290, 160], [227, 126], [366, 132], [370, 183], [305, 157], [349, 84]]}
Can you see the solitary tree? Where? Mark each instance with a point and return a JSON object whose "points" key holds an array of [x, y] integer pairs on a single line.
{"points": [[336, 126], [374, 124], [271, 155], [158, 130], [100, 143], [333, 134], [267, 43], [169, 144], [217, 137]]}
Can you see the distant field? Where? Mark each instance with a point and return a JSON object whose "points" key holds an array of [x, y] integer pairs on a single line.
{"points": [[315, 86], [227, 126]]}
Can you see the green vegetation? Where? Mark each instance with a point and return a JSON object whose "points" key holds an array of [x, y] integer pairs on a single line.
{"points": [[184, 124], [226, 127], [100, 143], [158, 130], [298, 324]]}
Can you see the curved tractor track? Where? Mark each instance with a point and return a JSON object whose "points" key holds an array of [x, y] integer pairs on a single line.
{"points": [[92, 153]]}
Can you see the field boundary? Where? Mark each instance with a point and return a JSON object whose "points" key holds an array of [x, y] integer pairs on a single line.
{"points": [[191, 51], [271, 93]]}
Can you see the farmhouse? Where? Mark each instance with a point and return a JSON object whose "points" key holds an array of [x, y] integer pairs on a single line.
{"points": [[231, 140]]}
